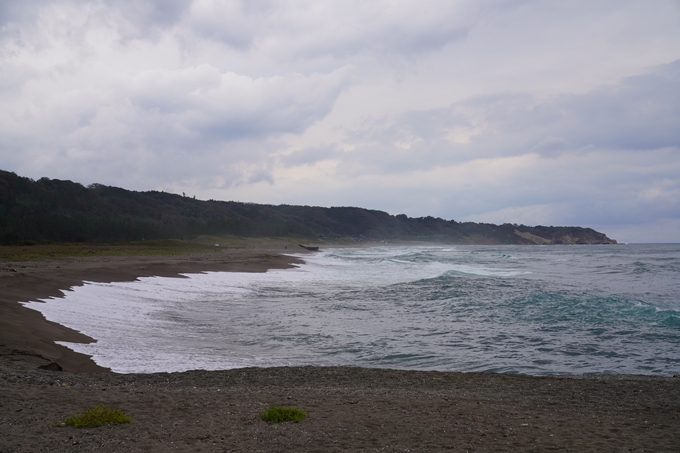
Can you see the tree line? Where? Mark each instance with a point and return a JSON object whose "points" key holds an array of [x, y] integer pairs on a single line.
{"points": [[52, 210]]}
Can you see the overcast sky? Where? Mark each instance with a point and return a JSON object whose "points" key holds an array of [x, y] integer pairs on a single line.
{"points": [[520, 111]]}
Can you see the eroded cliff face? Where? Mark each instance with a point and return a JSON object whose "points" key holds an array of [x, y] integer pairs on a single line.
{"points": [[556, 235], [532, 237]]}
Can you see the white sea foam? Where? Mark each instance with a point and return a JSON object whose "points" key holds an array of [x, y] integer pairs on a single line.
{"points": [[485, 271], [465, 308]]}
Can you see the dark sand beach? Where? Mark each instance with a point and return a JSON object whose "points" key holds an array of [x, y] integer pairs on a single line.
{"points": [[349, 409]]}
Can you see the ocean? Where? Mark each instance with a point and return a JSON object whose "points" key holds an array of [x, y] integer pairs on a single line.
{"points": [[536, 310]]}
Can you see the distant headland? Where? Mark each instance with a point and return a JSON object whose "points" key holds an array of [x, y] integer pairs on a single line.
{"points": [[52, 210]]}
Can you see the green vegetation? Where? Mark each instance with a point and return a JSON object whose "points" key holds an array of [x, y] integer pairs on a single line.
{"points": [[54, 211], [95, 416], [278, 414]]}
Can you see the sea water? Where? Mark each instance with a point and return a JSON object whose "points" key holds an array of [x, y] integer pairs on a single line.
{"points": [[538, 310]]}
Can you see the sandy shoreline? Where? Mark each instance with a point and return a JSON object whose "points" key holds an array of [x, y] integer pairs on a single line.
{"points": [[350, 409], [26, 333]]}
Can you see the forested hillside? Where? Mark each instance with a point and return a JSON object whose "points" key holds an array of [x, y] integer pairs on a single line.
{"points": [[51, 210]]}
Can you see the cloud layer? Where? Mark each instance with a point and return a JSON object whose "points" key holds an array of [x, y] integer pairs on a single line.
{"points": [[513, 111]]}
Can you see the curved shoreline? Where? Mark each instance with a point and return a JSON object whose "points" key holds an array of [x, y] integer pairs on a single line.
{"points": [[27, 338]]}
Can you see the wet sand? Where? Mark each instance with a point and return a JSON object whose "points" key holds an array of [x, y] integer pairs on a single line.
{"points": [[26, 332], [349, 409]]}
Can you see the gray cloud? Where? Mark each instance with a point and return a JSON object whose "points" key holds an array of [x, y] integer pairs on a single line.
{"points": [[212, 105], [19, 12], [640, 113], [189, 112], [338, 29], [309, 156], [150, 13]]}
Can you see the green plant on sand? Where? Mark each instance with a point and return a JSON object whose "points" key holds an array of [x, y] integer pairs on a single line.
{"points": [[95, 416], [278, 414]]}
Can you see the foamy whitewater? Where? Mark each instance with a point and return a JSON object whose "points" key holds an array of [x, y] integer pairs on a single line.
{"points": [[536, 310]]}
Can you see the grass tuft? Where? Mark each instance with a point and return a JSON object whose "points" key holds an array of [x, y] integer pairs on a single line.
{"points": [[278, 414], [95, 416]]}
